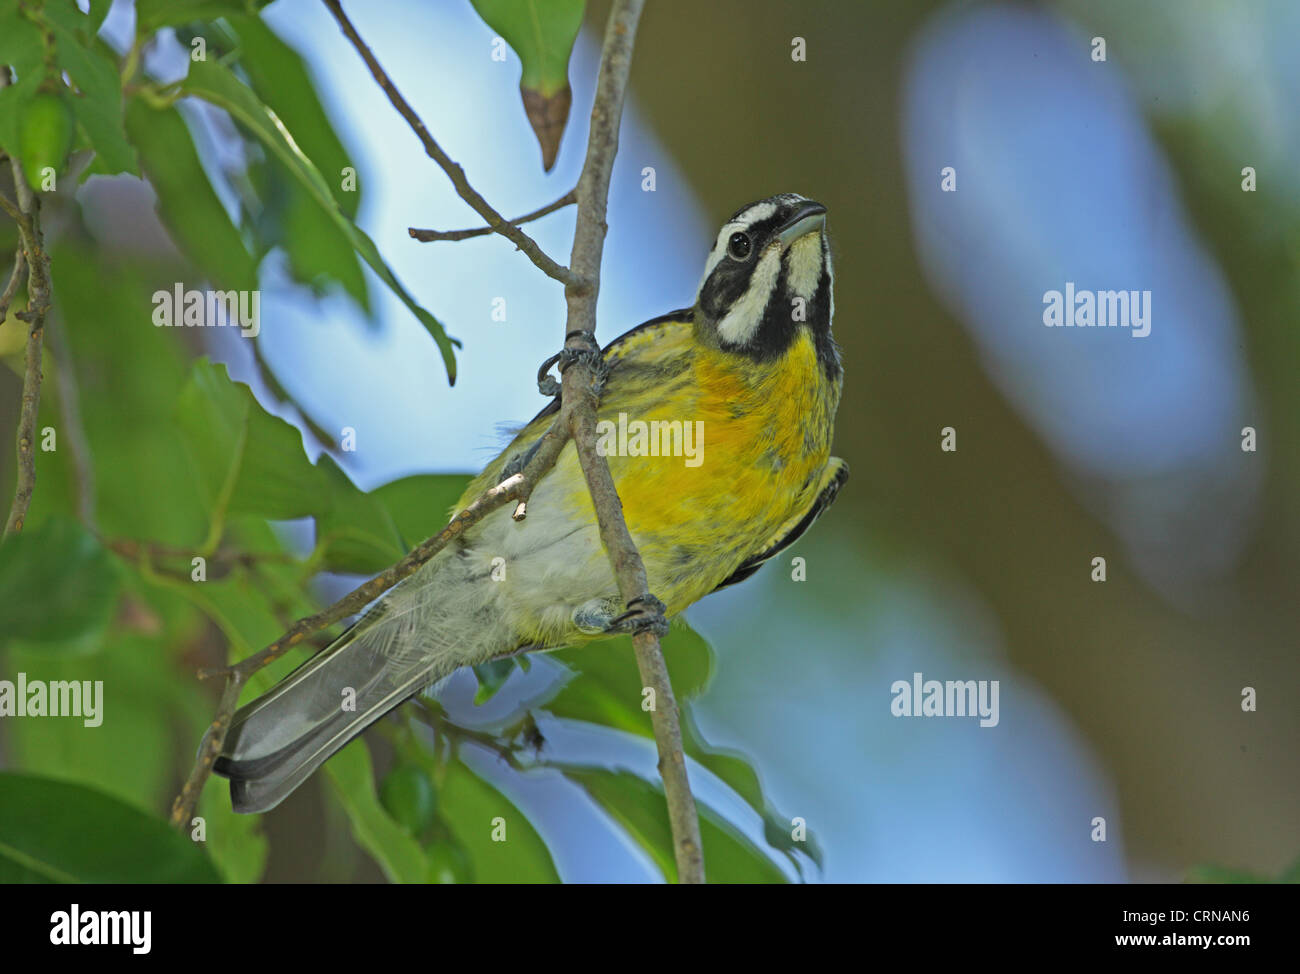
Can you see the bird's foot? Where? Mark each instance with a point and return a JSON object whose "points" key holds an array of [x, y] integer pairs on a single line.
{"points": [[594, 616], [644, 614], [589, 352]]}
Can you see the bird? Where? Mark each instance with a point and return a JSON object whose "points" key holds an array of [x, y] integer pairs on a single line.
{"points": [[743, 386]]}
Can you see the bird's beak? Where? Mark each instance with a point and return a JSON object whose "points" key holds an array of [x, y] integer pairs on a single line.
{"points": [[809, 218]]}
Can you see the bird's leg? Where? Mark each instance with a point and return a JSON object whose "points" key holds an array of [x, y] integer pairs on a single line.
{"points": [[517, 462], [566, 357], [595, 615]]}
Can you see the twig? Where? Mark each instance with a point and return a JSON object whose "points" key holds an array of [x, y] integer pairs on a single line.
{"points": [[576, 420], [581, 395], [219, 563], [15, 281], [26, 213], [428, 713], [429, 236], [512, 488], [453, 170]]}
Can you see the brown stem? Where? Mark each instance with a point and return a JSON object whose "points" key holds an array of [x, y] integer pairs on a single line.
{"points": [[15, 281], [430, 236], [581, 385], [236, 675], [453, 170], [26, 213], [581, 391]]}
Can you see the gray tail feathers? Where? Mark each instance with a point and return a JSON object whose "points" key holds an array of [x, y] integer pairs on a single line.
{"points": [[278, 740]]}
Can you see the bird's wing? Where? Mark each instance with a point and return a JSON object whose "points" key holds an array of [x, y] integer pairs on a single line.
{"points": [[667, 333], [626, 344], [833, 477]]}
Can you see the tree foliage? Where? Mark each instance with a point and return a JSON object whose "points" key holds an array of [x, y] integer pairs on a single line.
{"points": [[184, 564]]}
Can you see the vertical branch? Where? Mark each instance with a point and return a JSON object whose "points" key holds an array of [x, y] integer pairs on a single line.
{"points": [[455, 173], [26, 214], [581, 394], [582, 378]]}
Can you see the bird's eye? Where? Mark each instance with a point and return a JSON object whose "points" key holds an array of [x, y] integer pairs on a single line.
{"points": [[738, 246]]}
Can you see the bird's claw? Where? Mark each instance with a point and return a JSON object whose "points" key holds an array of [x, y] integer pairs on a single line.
{"points": [[565, 357], [644, 614]]}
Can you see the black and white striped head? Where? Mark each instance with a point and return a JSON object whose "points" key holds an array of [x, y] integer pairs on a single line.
{"points": [[767, 277]]}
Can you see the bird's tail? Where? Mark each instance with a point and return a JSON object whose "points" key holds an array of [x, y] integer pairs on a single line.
{"points": [[277, 741]]}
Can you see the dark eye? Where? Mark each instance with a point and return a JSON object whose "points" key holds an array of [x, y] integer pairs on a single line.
{"points": [[738, 246]]}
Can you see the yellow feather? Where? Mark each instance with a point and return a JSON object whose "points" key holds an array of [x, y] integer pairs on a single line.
{"points": [[767, 431]]}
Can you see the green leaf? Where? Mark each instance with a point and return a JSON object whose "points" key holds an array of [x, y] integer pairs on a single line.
{"points": [[22, 48], [491, 676], [319, 251], [57, 586], [152, 14], [639, 809], [422, 505], [408, 795], [356, 531], [45, 137], [236, 844], [137, 716], [542, 33], [140, 371], [215, 83], [93, 70], [245, 457], [58, 832], [449, 863], [736, 772], [388, 843], [609, 693], [470, 806], [189, 207], [282, 80], [98, 11]]}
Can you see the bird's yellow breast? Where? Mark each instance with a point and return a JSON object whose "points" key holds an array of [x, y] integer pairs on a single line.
{"points": [[763, 435], [760, 440]]}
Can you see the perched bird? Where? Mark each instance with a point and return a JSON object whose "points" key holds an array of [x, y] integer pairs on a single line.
{"points": [[743, 386]]}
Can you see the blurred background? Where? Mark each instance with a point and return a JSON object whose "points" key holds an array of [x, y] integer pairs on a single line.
{"points": [[1119, 699]]}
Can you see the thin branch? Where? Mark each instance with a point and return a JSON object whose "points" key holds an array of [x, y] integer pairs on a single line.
{"points": [[453, 170], [512, 488], [219, 563], [26, 213], [581, 395], [430, 236], [214, 739], [430, 713], [8, 205], [15, 282], [582, 380]]}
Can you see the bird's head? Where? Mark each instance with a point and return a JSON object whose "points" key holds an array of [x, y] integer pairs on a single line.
{"points": [[767, 277]]}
